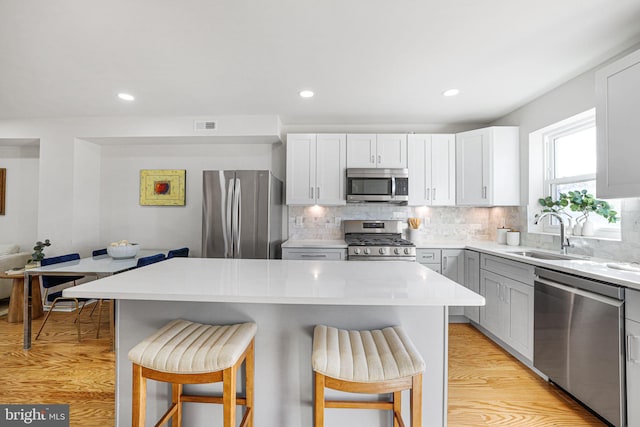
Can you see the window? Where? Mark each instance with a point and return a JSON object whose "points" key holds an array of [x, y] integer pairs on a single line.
{"points": [[569, 157]]}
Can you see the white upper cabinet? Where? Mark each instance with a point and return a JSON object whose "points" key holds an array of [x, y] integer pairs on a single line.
{"points": [[432, 169], [618, 128], [488, 167], [377, 151], [316, 169]]}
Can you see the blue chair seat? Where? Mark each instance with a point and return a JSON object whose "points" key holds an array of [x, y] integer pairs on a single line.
{"points": [[182, 252], [151, 259]]}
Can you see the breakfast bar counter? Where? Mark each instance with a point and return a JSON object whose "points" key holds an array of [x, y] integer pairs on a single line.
{"points": [[286, 299]]}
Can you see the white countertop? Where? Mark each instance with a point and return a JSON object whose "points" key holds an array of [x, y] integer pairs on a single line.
{"points": [[591, 267], [392, 283]]}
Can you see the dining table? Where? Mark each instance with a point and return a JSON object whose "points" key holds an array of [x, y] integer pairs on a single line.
{"points": [[97, 266]]}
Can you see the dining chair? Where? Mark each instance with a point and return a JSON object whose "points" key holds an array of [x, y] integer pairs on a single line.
{"points": [[51, 299], [182, 252], [99, 252], [151, 259]]}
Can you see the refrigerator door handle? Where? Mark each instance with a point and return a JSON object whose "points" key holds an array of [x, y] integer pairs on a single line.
{"points": [[228, 236], [236, 219]]}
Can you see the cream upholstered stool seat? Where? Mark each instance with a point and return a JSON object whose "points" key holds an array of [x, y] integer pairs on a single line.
{"points": [[184, 352], [372, 362]]}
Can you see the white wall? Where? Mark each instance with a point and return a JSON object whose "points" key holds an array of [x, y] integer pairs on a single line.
{"points": [[83, 201], [168, 227], [573, 97], [20, 221]]}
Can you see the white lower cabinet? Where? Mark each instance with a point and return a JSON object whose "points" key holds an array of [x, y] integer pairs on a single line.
{"points": [[327, 254], [430, 258], [508, 311], [632, 335]]}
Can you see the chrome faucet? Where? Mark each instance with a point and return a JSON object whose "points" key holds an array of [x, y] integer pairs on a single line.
{"points": [[564, 241]]}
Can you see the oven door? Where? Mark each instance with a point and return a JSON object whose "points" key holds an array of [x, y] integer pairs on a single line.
{"points": [[380, 258]]}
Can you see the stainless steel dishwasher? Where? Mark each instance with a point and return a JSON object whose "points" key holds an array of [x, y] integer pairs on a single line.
{"points": [[578, 340]]}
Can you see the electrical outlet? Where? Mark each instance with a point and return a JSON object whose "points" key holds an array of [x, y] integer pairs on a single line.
{"points": [[337, 220], [298, 220]]}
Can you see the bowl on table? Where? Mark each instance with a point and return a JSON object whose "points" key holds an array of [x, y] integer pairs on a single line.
{"points": [[123, 251]]}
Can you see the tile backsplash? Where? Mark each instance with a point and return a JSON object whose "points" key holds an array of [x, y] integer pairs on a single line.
{"points": [[437, 223], [464, 224]]}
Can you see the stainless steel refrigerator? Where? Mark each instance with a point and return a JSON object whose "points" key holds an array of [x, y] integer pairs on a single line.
{"points": [[241, 214]]}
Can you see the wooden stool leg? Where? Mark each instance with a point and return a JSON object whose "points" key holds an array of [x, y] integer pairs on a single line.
{"points": [[229, 396], [139, 397], [416, 401], [176, 391], [397, 408], [318, 407], [250, 380]]}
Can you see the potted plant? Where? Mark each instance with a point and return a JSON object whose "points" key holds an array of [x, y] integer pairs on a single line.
{"points": [[38, 253], [585, 203]]}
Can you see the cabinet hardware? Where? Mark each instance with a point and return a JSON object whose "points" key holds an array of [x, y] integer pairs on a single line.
{"points": [[373, 158], [317, 192], [484, 192], [311, 192], [427, 193], [444, 263], [313, 255], [379, 158], [434, 193]]}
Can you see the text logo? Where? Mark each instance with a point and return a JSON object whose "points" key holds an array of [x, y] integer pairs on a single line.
{"points": [[34, 415]]}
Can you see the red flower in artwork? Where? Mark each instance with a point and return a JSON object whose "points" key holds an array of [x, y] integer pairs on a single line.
{"points": [[161, 187]]}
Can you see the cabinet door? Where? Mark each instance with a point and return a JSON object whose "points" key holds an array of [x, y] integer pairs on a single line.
{"points": [[331, 157], [453, 264], [361, 151], [453, 268], [472, 281], [491, 314], [518, 300], [443, 170], [472, 167], [618, 127], [419, 163], [391, 151], [301, 169], [314, 254], [633, 372]]}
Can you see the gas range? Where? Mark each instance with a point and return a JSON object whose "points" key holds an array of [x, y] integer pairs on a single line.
{"points": [[377, 241]]}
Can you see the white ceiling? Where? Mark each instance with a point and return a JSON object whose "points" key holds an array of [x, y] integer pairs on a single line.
{"points": [[369, 61]]}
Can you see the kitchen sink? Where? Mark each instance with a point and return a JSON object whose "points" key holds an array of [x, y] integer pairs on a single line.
{"points": [[547, 255]]}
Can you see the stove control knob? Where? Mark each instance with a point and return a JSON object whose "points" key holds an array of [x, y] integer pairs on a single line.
{"points": [[397, 251], [367, 251], [356, 251], [382, 251], [406, 251]]}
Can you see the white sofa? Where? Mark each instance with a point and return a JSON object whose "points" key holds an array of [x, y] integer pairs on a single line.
{"points": [[10, 257]]}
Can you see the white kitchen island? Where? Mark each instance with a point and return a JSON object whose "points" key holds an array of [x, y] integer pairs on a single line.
{"points": [[286, 299]]}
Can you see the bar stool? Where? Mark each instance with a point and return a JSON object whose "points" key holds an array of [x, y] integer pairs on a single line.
{"points": [[371, 362], [184, 352]]}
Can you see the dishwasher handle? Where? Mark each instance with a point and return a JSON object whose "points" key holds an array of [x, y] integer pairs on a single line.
{"points": [[600, 298]]}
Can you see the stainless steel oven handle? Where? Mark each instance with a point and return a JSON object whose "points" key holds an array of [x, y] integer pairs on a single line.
{"points": [[393, 186], [591, 295]]}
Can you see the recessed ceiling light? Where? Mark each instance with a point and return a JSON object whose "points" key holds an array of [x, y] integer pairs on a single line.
{"points": [[126, 97], [450, 92], [306, 93]]}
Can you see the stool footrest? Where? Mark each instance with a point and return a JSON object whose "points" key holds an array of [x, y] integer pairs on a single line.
{"points": [[360, 404], [170, 412], [245, 419], [193, 398]]}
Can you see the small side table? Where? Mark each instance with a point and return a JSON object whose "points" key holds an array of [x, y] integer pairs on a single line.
{"points": [[16, 303]]}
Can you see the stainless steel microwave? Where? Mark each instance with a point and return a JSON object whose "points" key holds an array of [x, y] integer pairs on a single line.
{"points": [[377, 185]]}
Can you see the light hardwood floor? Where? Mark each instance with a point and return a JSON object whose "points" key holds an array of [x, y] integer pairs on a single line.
{"points": [[486, 385]]}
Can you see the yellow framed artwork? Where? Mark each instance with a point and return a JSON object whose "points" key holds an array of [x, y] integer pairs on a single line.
{"points": [[162, 187]]}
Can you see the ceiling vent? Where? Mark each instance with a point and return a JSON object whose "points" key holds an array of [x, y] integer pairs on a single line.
{"points": [[204, 125]]}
